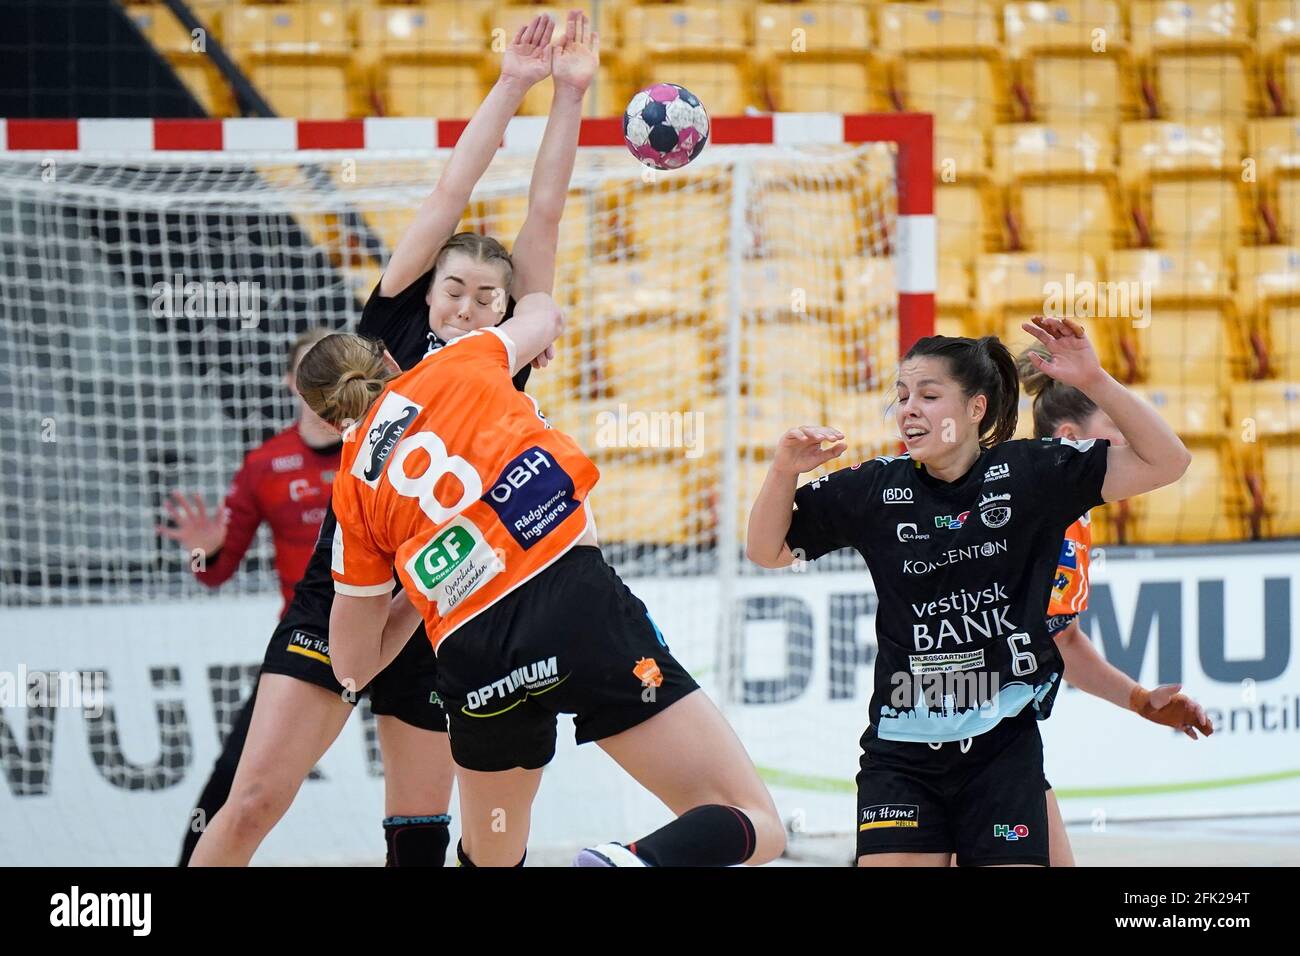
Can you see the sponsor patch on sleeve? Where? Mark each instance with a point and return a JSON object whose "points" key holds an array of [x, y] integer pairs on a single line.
{"points": [[532, 496]]}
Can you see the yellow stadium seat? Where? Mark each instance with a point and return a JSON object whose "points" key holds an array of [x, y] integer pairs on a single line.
{"points": [[789, 357], [952, 296], [503, 218], [1268, 277], [1028, 281], [427, 60], [298, 56], [1149, 148], [1178, 274], [1187, 178], [1052, 150], [957, 25], [1195, 412], [1273, 143], [1268, 298], [672, 225], [815, 57], [170, 38], [868, 329], [1062, 25], [1287, 207], [1072, 58], [1203, 506], [643, 503], [444, 90], [427, 32], [1199, 54], [1082, 89], [1063, 193], [765, 417], [782, 218], [1266, 411], [1185, 333], [653, 366], [1278, 49], [1192, 213], [959, 154], [641, 289], [1281, 466], [947, 60], [867, 420], [966, 225], [789, 287], [703, 47]]}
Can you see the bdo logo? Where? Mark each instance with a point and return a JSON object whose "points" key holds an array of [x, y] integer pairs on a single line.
{"points": [[442, 556]]}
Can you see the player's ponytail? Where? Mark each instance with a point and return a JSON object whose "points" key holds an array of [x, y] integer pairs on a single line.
{"points": [[1054, 402], [981, 367], [341, 376]]}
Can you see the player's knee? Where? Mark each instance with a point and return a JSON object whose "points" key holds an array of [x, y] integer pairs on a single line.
{"points": [[258, 807], [769, 835]]}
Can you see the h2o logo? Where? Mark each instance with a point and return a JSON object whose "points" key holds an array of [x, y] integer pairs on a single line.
{"points": [[440, 463]]}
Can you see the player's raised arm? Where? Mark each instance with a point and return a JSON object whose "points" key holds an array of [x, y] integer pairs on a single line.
{"points": [[527, 61], [799, 450], [536, 324], [1154, 456], [575, 55]]}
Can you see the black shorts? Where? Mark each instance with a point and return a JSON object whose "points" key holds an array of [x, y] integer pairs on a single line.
{"points": [[987, 805], [573, 640], [405, 689]]}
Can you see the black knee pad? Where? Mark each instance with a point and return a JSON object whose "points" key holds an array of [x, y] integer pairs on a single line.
{"points": [[417, 841]]}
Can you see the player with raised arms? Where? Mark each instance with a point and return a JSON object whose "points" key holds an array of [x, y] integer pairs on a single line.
{"points": [[436, 286], [961, 535], [483, 510], [1062, 411]]}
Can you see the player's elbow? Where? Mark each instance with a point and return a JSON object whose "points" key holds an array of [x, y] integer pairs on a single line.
{"points": [[764, 557]]}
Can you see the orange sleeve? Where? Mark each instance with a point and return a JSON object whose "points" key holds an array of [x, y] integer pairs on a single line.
{"points": [[492, 344], [359, 567], [1070, 585]]}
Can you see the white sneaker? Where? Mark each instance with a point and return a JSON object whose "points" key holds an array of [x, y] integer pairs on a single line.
{"points": [[608, 854]]}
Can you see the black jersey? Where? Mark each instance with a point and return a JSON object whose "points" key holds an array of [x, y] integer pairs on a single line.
{"points": [[963, 572], [402, 322]]}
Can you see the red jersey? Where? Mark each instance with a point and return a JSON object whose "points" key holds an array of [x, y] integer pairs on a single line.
{"points": [[455, 478], [286, 483]]}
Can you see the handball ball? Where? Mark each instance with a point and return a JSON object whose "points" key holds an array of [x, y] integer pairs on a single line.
{"points": [[665, 126]]}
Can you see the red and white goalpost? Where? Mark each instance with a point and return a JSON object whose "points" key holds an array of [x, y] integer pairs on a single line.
{"points": [[158, 270]]}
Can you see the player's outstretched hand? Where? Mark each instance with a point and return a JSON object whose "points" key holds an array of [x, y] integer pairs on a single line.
{"points": [[800, 449], [576, 54], [1072, 357], [195, 529], [1165, 705], [545, 358], [528, 58]]}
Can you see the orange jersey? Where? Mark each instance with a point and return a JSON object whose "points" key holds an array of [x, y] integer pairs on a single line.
{"points": [[1070, 585], [456, 479]]}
